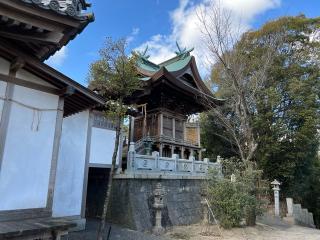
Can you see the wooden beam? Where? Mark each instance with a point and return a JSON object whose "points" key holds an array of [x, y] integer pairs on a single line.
{"points": [[17, 64], [28, 84], [12, 215], [67, 91], [48, 38]]}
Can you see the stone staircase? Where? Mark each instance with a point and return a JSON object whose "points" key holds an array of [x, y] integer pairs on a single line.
{"points": [[298, 215]]}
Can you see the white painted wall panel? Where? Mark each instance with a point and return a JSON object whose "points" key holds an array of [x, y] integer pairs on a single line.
{"points": [[71, 166], [25, 170], [102, 146]]}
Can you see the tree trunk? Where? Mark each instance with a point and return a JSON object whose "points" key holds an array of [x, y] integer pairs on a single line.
{"points": [[251, 217], [102, 226]]}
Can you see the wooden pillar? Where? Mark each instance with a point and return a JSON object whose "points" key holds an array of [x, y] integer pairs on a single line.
{"points": [[131, 130], [6, 108], [119, 170], [172, 150], [182, 152], [173, 128], [191, 153], [55, 152], [86, 168], [4, 123], [160, 149], [161, 123], [199, 140], [184, 131]]}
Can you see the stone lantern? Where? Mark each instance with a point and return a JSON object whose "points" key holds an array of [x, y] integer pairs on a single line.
{"points": [[147, 145], [276, 189], [158, 205]]}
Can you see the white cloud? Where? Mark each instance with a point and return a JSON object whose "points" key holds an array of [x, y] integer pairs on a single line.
{"points": [[186, 30], [248, 9], [58, 58], [133, 34]]}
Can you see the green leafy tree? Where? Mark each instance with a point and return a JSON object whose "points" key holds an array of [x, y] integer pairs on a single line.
{"points": [[114, 76], [285, 113]]}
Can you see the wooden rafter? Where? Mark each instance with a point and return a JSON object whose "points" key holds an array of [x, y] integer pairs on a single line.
{"points": [[48, 38]]}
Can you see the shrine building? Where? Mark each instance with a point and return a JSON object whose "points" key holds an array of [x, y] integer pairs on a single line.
{"points": [[172, 92]]}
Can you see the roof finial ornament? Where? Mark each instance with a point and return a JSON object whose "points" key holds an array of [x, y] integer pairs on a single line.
{"points": [[183, 52], [143, 54]]}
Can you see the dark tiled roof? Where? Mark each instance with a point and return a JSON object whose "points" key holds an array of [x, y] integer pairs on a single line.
{"points": [[71, 8]]}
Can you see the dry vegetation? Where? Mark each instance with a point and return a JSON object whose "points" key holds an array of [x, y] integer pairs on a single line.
{"points": [[260, 232]]}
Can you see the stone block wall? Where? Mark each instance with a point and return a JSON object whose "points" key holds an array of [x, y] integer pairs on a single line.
{"points": [[302, 216], [132, 199], [298, 215]]}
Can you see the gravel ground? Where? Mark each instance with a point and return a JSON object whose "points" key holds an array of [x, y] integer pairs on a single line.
{"points": [[117, 233], [259, 232], [263, 231]]}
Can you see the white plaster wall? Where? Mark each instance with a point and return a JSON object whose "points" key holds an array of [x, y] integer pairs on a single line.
{"points": [[25, 169], [4, 69], [71, 166], [102, 146]]}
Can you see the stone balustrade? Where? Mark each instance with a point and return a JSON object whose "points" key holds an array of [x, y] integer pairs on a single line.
{"points": [[145, 163]]}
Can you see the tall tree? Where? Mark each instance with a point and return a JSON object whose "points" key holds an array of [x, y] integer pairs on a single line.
{"points": [[288, 108], [237, 84], [113, 76]]}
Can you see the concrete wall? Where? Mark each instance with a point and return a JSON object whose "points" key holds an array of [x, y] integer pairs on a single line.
{"points": [[71, 166], [25, 169], [102, 146], [132, 201]]}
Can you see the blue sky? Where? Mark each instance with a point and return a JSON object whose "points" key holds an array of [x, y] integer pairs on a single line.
{"points": [[158, 24]]}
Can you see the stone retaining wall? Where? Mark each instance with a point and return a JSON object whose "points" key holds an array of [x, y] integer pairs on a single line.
{"points": [[132, 199]]}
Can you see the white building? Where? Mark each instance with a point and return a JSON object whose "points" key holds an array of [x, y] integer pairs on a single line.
{"points": [[50, 134]]}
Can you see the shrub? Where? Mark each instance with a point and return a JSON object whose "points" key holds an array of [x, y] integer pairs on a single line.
{"points": [[234, 201]]}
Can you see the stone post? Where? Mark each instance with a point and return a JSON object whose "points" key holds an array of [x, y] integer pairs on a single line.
{"points": [[155, 154], [233, 178], [131, 157], [206, 164], [192, 158], [176, 158], [289, 207], [158, 205], [276, 189]]}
